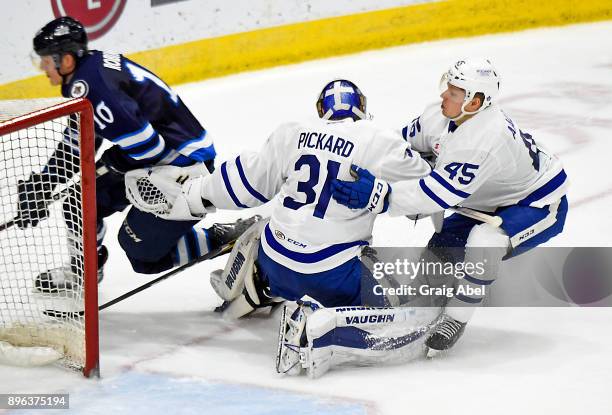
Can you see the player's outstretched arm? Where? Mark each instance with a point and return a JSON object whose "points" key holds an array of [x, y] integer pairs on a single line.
{"points": [[367, 192]]}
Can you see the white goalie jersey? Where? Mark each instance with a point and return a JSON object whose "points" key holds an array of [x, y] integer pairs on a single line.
{"points": [[486, 163], [308, 231]]}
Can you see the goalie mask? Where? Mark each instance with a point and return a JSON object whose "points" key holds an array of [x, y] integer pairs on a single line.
{"points": [[341, 99], [473, 76]]}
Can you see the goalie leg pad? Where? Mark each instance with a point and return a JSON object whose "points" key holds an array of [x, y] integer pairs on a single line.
{"points": [[239, 284], [358, 336], [292, 341], [254, 296], [230, 282]]}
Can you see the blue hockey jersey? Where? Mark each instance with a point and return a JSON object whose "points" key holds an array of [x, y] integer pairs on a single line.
{"points": [[137, 111]]}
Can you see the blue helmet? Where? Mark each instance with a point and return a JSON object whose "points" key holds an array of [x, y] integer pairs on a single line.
{"points": [[341, 99]]}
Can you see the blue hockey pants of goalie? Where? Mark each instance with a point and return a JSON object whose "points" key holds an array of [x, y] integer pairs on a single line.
{"points": [[348, 284]]}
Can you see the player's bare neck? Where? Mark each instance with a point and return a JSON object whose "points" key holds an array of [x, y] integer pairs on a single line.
{"points": [[463, 119]]}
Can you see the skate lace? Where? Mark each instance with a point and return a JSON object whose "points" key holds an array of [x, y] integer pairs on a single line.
{"points": [[449, 328]]}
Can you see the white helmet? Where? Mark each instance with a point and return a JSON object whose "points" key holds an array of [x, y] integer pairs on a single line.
{"points": [[473, 76]]}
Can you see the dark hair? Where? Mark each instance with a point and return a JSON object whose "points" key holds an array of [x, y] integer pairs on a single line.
{"points": [[481, 97]]}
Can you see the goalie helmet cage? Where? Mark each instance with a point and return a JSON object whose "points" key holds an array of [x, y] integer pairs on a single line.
{"points": [[30, 132]]}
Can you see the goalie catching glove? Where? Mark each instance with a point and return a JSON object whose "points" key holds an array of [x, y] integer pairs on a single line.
{"points": [[169, 192]]}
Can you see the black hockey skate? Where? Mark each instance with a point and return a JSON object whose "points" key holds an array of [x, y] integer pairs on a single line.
{"points": [[224, 233], [445, 335], [69, 277]]}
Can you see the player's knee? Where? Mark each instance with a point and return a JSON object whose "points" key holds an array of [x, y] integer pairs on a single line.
{"points": [[136, 246], [487, 245], [142, 267], [487, 236]]}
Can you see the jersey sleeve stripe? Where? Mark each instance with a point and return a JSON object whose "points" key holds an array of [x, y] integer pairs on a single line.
{"points": [[545, 190], [152, 152], [310, 257], [196, 145], [204, 154], [174, 158], [247, 185], [467, 299], [432, 195], [477, 281], [448, 186], [228, 186], [135, 138], [149, 140]]}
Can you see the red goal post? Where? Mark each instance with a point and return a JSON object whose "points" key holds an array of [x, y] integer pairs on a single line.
{"points": [[30, 131]]}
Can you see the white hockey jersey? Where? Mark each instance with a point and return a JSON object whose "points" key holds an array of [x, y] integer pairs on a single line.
{"points": [[485, 163], [308, 231]]}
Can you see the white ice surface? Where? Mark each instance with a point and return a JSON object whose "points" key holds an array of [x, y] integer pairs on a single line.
{"points": [[165, 351]]}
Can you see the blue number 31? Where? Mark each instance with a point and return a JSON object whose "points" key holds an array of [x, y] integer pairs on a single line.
{"points": [[307, 187]]}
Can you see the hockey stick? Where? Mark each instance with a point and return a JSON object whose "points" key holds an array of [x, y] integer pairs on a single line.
{"points": [[474, 214], [55, 197], [224, 249]]}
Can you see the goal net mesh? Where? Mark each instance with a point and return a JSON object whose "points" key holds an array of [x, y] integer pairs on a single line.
{"points": [[55, 244]]}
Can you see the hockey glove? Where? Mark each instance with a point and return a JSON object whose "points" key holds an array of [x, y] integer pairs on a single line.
{"points": [[366, 192], [169, 192], [34, 196], [116, 161]]}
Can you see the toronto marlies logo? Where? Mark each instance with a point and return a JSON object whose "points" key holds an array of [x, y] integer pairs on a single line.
{"points": [[79, 89]]}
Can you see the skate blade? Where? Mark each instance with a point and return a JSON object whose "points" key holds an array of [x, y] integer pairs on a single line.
{"points": [[60, 307], [433, 353]]}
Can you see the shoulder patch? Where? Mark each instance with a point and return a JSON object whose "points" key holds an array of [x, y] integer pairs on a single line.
{"points": [[79, 89]]}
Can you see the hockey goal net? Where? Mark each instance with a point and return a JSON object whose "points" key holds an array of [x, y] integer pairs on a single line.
{"points": [[35, 324]]}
